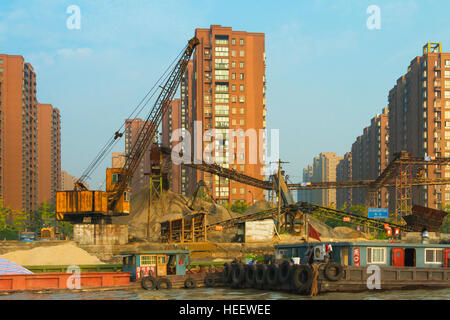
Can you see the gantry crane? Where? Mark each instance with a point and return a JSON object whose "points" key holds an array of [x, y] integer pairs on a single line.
{"points": [[99, 206]]}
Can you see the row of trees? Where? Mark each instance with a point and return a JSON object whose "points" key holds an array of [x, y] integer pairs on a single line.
{"points": [[12, 222]]}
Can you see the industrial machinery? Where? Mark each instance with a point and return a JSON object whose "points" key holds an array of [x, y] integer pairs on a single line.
{"points": [[48, 233], [92, 206], [200, 185]]}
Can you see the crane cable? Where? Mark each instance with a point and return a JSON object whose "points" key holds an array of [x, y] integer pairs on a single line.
{"points": [[113, 140]]}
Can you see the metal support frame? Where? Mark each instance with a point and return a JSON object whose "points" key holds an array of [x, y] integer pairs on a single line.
{"points": [[403, 191]]}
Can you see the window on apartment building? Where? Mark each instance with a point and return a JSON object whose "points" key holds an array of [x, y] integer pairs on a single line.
{"points": [[241, 122], [233, 41], [241, 53], [241, 65], [241, 76], [233, 64], [447, 94], [221, 87], [233, 76], [233, 110], [233, 53], [234, 191], [233, 87], [447, 63], [241, 99], [233, 99], [241, 110], [221, 97], [221, 63], [433, 256], [241, 42], [233, 122], [222, 121], [241, 87], [447, 73], [447, 84], [221, 74], [221, 39], [242, 190], [221, 51]]}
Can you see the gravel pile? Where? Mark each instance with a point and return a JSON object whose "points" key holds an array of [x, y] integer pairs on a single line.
{"points": [[66, 254]]}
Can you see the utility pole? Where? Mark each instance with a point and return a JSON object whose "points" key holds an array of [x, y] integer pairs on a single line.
{"points": [[149, 203], [279, 193]]}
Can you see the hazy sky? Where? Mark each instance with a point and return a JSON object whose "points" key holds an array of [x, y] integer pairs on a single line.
{"points": [[327, 73]]}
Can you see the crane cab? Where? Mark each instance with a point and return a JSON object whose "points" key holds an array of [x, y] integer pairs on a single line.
{"points": [[75, 205], [114, 176]]}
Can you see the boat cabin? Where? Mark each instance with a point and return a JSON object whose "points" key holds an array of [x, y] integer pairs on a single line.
{"points": [[373, 253], [155, 263]]}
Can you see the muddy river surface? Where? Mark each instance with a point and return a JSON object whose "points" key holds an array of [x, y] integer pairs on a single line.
{"points": [[228, 294]]}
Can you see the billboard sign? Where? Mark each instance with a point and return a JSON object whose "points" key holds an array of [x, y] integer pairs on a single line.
{"points": [[378, 213]]}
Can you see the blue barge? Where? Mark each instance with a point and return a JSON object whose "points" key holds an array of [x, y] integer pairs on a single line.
{"points": [[367, 266]]}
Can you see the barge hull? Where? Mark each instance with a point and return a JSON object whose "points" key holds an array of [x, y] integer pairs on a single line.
{"points": [[391, 278], [59, 281]]}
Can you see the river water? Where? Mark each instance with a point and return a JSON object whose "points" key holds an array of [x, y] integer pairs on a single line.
{"points": [[228, 294]]}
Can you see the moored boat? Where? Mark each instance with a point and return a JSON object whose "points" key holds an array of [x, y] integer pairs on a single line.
{"points": [[312, 268]]}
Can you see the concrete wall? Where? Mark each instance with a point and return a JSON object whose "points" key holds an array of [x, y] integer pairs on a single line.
{"points": [[259, 231], [110, 234]]}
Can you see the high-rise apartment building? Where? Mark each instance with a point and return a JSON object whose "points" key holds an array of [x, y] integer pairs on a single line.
{"points": [[117, 160], [344, 173], [49, 152], [172, 120], [419, 118], [306, 195], [323, 169], [18, 134], [68, 181], [370, 156], [132, 129], [228, 92]]}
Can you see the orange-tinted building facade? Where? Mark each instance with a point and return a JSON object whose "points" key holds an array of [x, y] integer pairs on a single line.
{"points": [[49, 152], [18, 134], [172, 121], [370, 156], [419, 119], [132, 129], [228, 92]]}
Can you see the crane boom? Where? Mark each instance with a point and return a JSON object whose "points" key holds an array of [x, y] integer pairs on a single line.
{"points": [[99, 206], [148, 132]]}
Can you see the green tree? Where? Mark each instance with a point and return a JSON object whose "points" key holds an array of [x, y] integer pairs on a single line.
{"points": [[239, 206], [358, 209], [445, 227], [4, 226]]}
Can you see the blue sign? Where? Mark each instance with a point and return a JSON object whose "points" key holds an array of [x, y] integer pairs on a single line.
{"points": [[378, 213]]}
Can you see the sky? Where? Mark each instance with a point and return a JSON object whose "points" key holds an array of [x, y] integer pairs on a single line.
{"points": [[327, 73]]}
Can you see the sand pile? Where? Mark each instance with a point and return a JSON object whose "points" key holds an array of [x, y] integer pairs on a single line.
{"points": [[172, 205], [66, 254], [348, 233], [169, 205]]}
